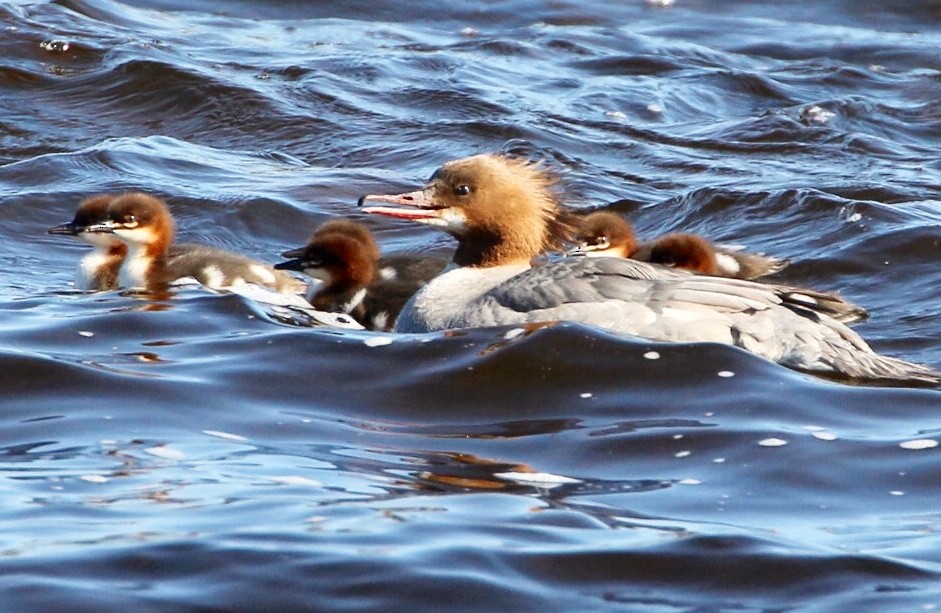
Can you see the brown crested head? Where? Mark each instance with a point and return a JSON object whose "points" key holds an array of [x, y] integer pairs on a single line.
{"points": [[142, 219], [352, 229], [92, 210], [687, 251], [502, 210], [603, 231], [337, 259]]}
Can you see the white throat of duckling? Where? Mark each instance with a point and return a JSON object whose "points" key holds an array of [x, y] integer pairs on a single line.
{"points": [[137, 266]]}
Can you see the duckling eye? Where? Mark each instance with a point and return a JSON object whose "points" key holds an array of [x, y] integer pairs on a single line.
{"points": [[130, 221], [462, 190]]}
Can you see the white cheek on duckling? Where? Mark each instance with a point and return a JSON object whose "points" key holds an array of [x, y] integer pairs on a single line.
{"points": [[318, 273], [98, 239], [142, 236]]}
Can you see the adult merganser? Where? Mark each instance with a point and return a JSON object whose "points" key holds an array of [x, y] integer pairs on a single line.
{"points": [[98, 270], [501, 211], [606, 234], [344, 255], [144, 224]]}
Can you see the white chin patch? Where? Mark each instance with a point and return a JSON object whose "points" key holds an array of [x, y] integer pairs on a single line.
{"points": [[98, 239], [318, 273], [143, 236], [452, 219]]}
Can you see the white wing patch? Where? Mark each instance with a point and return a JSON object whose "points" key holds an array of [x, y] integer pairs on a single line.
{"points": [[355, 300], [728, 264], [381, 321], [264, 273], [213, 277]]}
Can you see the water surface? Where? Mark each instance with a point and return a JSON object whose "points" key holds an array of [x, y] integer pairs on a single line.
{"points": [[195, 453]]}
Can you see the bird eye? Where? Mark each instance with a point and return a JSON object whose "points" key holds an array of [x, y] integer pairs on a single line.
{"points": [[130, 221], [601, 242], [462, 190]]}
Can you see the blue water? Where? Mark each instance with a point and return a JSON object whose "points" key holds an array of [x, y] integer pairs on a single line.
{"points": [[196, 453]]}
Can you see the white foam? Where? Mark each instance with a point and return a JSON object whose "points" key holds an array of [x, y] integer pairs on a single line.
{"points": [[225, 435], [165, 452], [378, 341], [537, 479], [294, 480], [919, 443]]}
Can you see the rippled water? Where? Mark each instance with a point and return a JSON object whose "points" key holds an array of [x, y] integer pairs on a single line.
{"points": [[195, 454]]}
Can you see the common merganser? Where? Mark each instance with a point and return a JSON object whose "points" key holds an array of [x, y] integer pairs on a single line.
{"points": [[144, 224], [607, 234], [501, 212], [97, 270], [410, 270], [344, 255]]}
